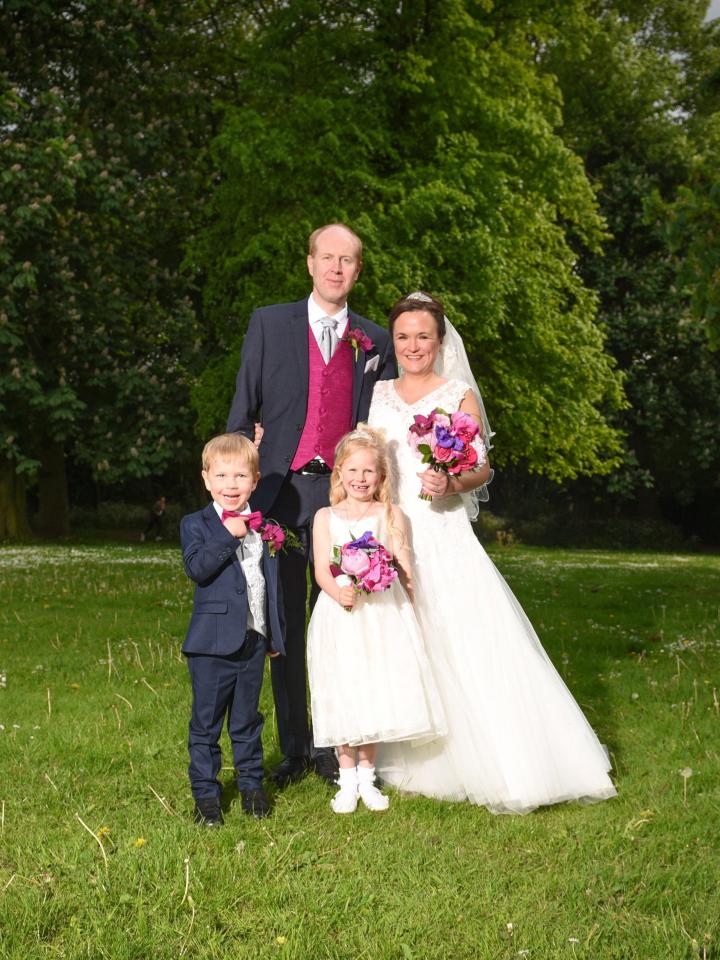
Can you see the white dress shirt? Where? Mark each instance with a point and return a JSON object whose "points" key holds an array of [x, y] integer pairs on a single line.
{"points": [[250, 553], [315, 315]]}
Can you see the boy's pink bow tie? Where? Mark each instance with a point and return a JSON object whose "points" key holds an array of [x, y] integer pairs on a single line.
{"points": [[253, 520]]}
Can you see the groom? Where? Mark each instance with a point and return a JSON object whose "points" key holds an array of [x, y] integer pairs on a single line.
{"points": [[309, 380]]}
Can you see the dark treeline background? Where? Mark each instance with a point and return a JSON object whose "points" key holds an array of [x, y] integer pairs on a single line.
{"points": [[548, 169]]}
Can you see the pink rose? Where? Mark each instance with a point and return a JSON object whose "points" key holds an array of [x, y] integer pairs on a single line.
{"points": [[464, 426], [466, 462], [356, 563], [444, 454]]}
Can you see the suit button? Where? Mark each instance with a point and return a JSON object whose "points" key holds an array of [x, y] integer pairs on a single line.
{"points": [[298, 426], [288, 459], [240, 591]]}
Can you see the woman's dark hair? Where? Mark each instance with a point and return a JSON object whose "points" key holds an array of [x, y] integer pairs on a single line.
{"points": [[415, 302]]}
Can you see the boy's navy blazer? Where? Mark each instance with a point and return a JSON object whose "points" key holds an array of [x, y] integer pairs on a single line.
{"points": [[219, 619], [273, 380]]}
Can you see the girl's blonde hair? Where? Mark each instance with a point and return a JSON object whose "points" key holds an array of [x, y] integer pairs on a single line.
{"points": [[364, 437]]}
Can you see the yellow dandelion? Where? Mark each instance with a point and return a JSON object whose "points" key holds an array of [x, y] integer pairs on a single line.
{"points": [[103, 833], [74, 686], [140, 842], [281, 940]]}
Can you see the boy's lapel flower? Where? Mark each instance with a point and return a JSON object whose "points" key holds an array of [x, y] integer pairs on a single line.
{"points": [[358, 340], [274, 534]]}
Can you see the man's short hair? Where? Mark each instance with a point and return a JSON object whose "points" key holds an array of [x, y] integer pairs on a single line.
{"points": [[231, 445], [313, 238]]}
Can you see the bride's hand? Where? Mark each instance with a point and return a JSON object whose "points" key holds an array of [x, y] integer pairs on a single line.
{"points": [[435, 482]]}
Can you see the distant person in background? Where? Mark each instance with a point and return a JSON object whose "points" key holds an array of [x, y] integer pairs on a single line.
{"points": [[155, 520]]}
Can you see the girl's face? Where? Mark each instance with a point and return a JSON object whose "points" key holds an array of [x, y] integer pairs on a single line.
{"points": [[360, 475]]}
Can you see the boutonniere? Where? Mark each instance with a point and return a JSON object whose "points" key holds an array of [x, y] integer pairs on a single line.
{"points": [[277, 537], [358, 340]]}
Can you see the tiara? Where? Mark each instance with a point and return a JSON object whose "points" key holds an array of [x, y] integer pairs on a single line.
{"points": [[361, 435], [419, 295]]}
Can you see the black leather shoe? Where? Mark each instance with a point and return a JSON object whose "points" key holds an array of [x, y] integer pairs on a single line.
{"points": [[255, 802], [288, 771], [208, 813], [325, 765]]}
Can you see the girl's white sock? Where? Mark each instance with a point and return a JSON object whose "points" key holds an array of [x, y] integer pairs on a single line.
{"points": [[346, 799], [369, 793]]}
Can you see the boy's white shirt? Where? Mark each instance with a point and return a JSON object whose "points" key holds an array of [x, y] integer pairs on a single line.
{"points": [[249, 553]]}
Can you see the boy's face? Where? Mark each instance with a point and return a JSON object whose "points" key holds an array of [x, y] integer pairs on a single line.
{"points": [[230, 481]]}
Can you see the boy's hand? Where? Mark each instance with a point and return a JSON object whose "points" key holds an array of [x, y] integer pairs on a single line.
{"points": [[236, 526], [346, 597]]}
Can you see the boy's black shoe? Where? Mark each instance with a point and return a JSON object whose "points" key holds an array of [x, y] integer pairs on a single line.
{"points": [[255, 802], [208, 813], [289, 770]]}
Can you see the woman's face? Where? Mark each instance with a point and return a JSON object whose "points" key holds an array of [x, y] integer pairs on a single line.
{"points": [[416, 342]]}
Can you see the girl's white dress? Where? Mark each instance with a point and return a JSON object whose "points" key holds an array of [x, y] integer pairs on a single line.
{"points": [[370, 679], [516, 738]]}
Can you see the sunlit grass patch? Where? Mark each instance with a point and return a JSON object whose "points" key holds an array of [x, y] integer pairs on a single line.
{"points": [[99, 857]]}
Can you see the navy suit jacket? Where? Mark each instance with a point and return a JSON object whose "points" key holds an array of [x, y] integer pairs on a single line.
{"points": [[272, 386], [219, 619]]}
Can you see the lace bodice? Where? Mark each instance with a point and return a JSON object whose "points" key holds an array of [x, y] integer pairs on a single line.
{"points": [[390, 412]]}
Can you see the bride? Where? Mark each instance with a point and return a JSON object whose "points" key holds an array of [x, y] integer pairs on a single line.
{"points": [[516, 737]]}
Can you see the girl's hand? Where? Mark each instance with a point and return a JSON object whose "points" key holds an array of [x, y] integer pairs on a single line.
{"points": [[435, 482], [346, 597], [259, 431]]}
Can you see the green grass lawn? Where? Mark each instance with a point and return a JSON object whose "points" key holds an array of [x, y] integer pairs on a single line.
{"points": [[99, 857]]}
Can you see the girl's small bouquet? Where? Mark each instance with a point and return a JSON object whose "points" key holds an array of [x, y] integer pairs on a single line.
{"points": [[447, 441], [366, 561]]}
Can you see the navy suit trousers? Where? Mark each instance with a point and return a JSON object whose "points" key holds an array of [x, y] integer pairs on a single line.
{"points": [[226, 687], [297, 503]]}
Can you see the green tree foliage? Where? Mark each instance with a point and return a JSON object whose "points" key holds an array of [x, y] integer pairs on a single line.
{"points": [[694, 231], [633, 91], [430, 129], [98, 176]]}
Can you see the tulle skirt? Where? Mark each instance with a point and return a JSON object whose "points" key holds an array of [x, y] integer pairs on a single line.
{"points": [[370, 679]]}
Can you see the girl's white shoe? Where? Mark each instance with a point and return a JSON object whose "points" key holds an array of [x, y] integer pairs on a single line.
{"points": [[346, 799], [369, 793]]}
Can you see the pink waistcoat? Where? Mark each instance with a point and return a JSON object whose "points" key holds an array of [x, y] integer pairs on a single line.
{"points": [[329, 409]]}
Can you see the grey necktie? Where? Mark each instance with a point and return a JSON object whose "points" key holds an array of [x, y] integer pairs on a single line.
{"points": [[328, 337]]}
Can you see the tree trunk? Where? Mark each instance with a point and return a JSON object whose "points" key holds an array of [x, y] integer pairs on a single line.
{"points": [[13, 512], [54, 513]]}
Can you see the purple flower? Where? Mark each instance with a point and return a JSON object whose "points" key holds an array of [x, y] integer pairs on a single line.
{"points": [[365, 541], [447, 439]]}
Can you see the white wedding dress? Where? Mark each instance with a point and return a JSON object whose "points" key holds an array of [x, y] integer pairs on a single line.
{"points": [[516, 738]]}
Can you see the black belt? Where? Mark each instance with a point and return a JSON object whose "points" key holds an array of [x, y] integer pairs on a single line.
{"points": [[315, 468]]}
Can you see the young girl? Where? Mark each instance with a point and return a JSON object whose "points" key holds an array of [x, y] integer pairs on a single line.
{"points": [[370, 680]]}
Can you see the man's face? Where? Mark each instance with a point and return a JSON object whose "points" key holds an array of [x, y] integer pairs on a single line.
{"points": [[230, 481], [334, 267]]}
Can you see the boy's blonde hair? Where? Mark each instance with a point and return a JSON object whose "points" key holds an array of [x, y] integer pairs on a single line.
{"points": [[231, 445], [364, 437]]}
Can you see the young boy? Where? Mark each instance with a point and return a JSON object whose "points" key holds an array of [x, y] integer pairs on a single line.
{"points": [[237, 618]]}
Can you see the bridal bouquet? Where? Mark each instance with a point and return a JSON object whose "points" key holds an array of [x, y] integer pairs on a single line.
{"points": [[368, 564], [445, 442]]}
